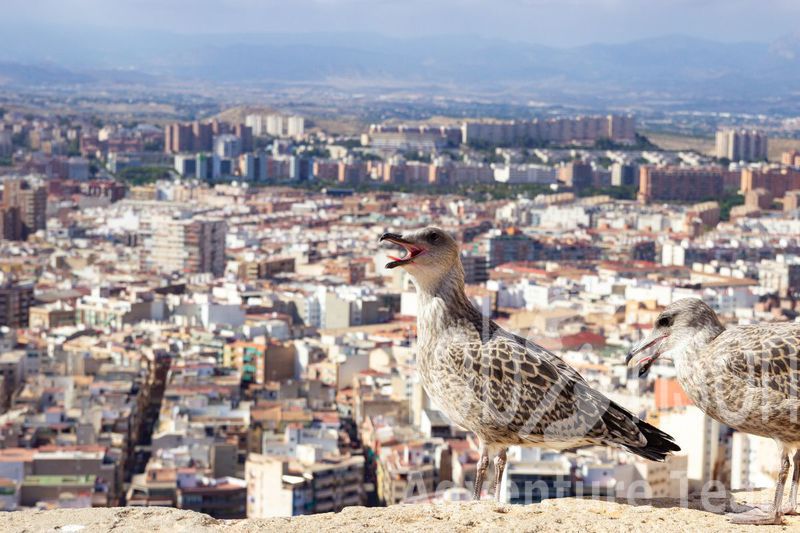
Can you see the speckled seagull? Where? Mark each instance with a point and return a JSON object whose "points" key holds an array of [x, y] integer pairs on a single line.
{"points": [[507, 390], [746, 377]]}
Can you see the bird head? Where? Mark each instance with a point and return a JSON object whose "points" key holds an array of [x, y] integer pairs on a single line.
{"points": [[429, 253], [682, 322]]}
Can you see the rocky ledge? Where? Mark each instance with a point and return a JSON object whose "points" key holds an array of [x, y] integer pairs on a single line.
{"points": [[568, 514]]}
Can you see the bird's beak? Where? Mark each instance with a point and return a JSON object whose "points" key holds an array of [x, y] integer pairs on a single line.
{"points": [[411, 249], [639, 353], [392, 237]]}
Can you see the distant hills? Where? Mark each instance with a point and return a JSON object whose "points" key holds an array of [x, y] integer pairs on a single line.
{"points": [[673, 70]]}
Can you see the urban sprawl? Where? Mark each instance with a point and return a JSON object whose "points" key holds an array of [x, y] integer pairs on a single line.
{"points": [[197, 314]]}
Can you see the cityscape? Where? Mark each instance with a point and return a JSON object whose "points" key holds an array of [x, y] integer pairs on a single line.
{"points": [[195, 309]]}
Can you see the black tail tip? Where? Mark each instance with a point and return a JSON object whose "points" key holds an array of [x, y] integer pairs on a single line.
{"points": [[659, 444]]}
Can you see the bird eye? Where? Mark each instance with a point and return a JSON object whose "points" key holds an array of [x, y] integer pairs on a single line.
{"points": [[664, 322], [433, 237]]}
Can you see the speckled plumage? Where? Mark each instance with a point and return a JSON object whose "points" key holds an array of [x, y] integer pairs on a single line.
{"points": [[507, 390], [746, 377], [510, 391]]}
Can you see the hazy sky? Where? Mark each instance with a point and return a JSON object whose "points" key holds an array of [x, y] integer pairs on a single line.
{"points": [[554, 22]]}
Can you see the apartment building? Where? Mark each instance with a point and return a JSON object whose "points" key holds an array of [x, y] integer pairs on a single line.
{"points": [[684, 184], [741, 145], [277, 486], [16, 299], [190, 246], [28, 201], [619, 128]]}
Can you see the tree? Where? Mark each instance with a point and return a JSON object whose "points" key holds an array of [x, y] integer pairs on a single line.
{"points": [[621, 192], [143, 175], [728, 202]]}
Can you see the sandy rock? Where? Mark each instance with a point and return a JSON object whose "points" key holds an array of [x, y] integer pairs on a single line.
{"points": [[568, 514]]}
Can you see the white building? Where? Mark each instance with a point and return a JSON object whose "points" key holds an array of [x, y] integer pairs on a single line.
{"points": [[741, 145], [275, 125], [753, 461], [698, 436], [227, 146], [525, 174], [295, 126]]}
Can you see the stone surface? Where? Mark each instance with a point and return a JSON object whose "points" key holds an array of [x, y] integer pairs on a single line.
{"points": [[656, 516]]}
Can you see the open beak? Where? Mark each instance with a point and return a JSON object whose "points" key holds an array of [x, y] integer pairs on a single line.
{"points": [[646, 351], [411, 250]]}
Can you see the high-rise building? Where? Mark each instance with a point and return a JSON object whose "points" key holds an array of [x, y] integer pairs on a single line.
{"points": [[10, 224], [227, 146], [741, 145], [189, 246], [16, 299], [258, 124], [295, 126], [275, 125], [245, 135], [623, 175], [178, 138], [201, 137], [30, 200], [576, 174]]}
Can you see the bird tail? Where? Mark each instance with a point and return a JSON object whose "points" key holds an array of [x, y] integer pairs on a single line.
{"points": [[659, 444]]}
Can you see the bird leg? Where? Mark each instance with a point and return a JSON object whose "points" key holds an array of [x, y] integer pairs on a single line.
{"points": [[791, 505], [480, 474], [499, 468], [774, 515]]}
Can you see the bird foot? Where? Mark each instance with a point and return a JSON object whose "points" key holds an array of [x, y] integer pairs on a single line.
{"points": [[757, 517], [788, 509]]}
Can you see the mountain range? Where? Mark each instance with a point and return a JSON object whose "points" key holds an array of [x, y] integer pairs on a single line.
{"points": [[679, 69]]}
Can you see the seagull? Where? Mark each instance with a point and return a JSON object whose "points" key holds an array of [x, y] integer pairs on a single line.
{"points": [[505, 389], [746, 377]]}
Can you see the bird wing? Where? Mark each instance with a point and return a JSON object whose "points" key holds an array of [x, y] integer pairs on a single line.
{"points": [[763, 357], [527, 391]]}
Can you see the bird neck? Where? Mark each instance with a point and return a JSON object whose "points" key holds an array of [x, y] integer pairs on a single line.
{"points": [[441, 301]]}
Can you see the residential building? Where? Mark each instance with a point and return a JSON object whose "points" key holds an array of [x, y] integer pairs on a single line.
{"points": [[741, 145], [16, 299], [189, 245], [31, 201]]}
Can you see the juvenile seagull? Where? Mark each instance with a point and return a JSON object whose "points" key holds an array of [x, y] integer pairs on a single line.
{"points": [[508, 391], [745, 377]]}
